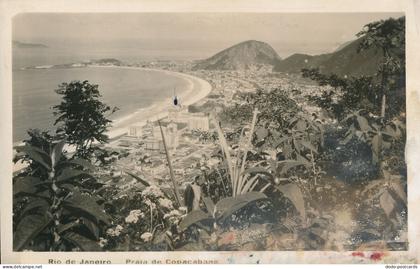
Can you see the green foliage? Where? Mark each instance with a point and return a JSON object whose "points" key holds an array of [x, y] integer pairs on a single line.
{"points": [[222, 210], [294, 194], [302, 135], [237, 114], [388, 36], [390, 195], [171, 172], [241, 182], [367, 105], [54, 208], [145, 219], [379, 135], [40, 141], [274, 107], [82, 116], [347, 94]]}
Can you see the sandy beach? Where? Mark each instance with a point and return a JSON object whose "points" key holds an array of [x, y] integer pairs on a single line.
{"points": [[196, 90]]}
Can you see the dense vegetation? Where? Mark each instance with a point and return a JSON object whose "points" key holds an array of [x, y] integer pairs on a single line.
{"points": [[282, 172]]}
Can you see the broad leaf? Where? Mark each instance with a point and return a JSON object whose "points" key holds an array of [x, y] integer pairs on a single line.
{"points": [[302, 159], [209, 205], [289, 164], [194, 217], [35, 203], [71, 173], [25, 185], [37, 155], [261, 133], [258, 170], [226, 207], [389, 129], [82, 242], [92, 227], [82, 163], [399, 190], [387, 203], [27, 229], [85, 205], [292, 192], [363, 124], [309, 146]]}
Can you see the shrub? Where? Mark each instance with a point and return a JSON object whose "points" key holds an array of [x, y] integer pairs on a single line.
{"points": [[56, 206]]}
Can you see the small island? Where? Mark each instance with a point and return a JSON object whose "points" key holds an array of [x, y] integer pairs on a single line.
{"points": [[22, 45]]}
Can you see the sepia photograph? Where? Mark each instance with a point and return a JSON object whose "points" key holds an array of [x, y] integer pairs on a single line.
{"points": [[155, 133], [209, 132]]}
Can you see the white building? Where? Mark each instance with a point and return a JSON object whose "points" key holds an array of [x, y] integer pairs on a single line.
{"points": [[155, 141], [135, 131], [171, 135], [154, 144], [198, 122]]}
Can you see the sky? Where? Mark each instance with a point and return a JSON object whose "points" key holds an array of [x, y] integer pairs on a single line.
{"points": [[191, 35]]}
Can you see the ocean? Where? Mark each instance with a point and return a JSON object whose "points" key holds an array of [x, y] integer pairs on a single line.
{"points": [[127, 89]]}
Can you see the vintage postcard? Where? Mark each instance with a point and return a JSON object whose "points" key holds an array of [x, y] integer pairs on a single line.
{"points": [[238, 133]]}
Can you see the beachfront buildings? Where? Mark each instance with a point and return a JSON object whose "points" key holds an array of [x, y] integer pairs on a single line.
{"points": [[194, 121], [153, 140], [135, 131], [198, 121]]}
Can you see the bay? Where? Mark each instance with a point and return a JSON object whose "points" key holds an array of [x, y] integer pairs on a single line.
{"points": [[128, 89]]}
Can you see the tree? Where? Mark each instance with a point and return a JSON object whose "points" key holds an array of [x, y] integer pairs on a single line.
{"points": [[368, 94], [347, 94], [82, 116], [388, 36]]}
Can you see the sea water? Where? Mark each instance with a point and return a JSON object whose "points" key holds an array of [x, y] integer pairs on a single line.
{"points": [[128, 89]]}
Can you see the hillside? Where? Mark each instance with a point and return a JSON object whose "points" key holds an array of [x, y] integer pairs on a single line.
{"points": [[240, 56], [346, 61], [296, 62], [343, 45]]}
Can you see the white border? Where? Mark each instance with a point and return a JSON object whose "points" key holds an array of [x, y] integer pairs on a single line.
{"points": [[9, 8]]}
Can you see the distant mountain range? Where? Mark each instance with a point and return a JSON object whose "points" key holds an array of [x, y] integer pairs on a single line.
{"points": [[345, 60], [22, 45], [241, 56]]}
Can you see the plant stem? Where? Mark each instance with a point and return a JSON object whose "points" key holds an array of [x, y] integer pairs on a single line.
{"points": [[383, 106], [168, 158], [221, 179], [313, 165], [151, 218], [254, 121]]}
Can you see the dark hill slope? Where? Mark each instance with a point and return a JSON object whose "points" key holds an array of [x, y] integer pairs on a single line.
{"points": [[346, 61]]}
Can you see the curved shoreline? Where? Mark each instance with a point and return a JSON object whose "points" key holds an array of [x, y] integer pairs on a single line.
{"points": [[197, 89]]}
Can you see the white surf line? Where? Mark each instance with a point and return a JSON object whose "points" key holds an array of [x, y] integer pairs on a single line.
{"points": [[158, 111], [189, 97]]}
